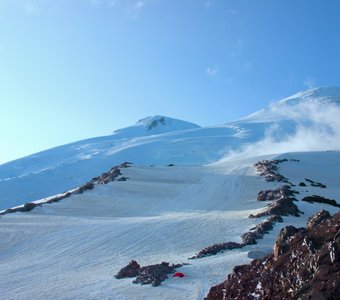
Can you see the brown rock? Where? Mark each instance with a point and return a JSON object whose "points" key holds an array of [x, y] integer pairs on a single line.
{"points": [[131, 270], [293, 271]]}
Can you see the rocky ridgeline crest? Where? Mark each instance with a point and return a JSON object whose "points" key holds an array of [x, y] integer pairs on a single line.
{"points": [[282, 202], [105, 178], [305, 265], [269, 169]]}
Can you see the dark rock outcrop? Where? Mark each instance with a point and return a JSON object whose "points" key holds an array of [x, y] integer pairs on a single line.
{"points": [[316, 219], [248, 238], [320, 199], [155, 123], [269, 169], [110, 175], [153, 274], [86, 187], [131, 270], [123, 178], [280, 207], [282, 202], [305, 265], [217, 248], [317, 184], [260, 230], [26, 207], [282, 242], [281, 192]]}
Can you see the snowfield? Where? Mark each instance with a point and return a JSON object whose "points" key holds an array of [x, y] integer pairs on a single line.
{"points": [[72, 249], [188, 188]]}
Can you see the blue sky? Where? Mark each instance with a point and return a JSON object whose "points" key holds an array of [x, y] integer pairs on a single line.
{"points": [[74, 69]]}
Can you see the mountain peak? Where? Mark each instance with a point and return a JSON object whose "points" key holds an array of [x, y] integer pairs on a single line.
{"points": [[278, 110], [153, 122], [156, 125], [326, 93]]}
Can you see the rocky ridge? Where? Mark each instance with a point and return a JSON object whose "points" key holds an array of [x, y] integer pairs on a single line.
{"points": [[281, 204], [305, 265], [112, 175]]}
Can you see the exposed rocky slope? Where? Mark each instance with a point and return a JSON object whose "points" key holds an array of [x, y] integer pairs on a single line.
{"points": [[305, 265]]}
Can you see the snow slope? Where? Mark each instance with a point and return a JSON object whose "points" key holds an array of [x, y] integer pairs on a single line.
{"points": [[282, 110], [161, 140], [72, 249]]}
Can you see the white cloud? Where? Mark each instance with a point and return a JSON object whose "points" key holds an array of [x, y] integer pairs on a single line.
{"points": [[211, 71], [317, 129]]}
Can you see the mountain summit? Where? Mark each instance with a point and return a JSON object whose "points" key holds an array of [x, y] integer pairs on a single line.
{"points": [[319, 94], [155, 125], [151, 123], [312, 99]]}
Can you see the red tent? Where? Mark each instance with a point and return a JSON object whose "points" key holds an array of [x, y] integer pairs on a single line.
{"points": [[178, 274]]}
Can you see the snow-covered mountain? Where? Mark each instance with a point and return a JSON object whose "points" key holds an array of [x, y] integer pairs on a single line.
{"points": [[306, 100], [189, 190], [161, 140]]}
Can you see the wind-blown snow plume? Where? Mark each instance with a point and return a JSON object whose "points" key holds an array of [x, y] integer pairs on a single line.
{"points": [[316, 127]]}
